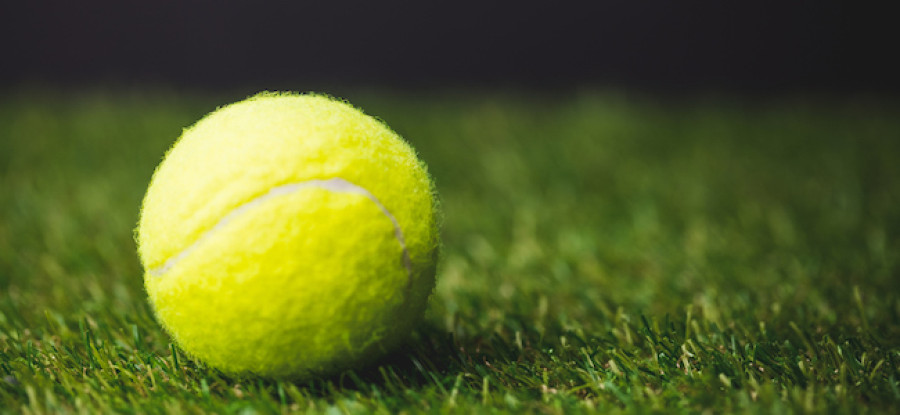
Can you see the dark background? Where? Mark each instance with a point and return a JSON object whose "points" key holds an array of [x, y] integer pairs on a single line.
{"points": [[747, 46]]}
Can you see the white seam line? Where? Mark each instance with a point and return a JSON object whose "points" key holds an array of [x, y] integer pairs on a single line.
{"points": [[337, 185]]}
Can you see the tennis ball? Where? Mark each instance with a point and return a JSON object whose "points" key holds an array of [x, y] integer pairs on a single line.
{"points": [[289, 236]]}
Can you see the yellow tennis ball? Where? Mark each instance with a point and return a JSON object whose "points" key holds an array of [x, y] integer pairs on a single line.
{"points": [[289, 236]]}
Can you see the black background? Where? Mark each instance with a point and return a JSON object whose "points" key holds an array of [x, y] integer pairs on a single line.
{"points": [[758, 46]]}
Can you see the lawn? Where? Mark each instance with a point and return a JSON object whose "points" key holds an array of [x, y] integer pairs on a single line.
{"points": [[604, 252]]}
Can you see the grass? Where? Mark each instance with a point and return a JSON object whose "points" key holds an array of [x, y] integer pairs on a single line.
{"points": [[602, 253]]}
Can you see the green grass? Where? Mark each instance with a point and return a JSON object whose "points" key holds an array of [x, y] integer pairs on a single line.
{"points": [[601, 253]]}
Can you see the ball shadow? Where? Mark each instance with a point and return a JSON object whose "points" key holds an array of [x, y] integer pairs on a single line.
{"points": [[429, 353]]}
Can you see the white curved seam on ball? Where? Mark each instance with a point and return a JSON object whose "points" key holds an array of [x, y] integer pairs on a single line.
{"points": [[336, 185]]}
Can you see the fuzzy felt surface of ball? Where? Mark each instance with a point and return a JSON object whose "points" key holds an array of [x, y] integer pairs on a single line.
{"points": [[289, 236]]}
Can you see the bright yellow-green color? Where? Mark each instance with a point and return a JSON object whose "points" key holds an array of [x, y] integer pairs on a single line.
{"points": [[289, 236]]}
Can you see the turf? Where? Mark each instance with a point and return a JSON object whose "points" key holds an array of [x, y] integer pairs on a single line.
{"points": [[602, 252]]}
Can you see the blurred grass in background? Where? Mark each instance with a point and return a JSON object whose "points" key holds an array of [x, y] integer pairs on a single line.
{"points": [[602, 251]]}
